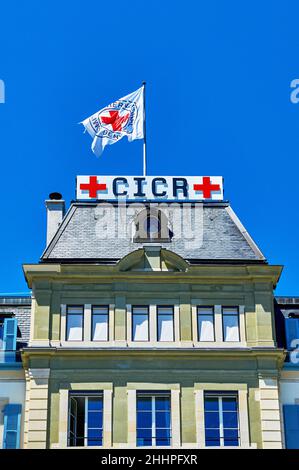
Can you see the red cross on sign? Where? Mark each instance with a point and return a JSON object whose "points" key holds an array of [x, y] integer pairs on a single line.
{"points": [[206, 187], [116, 121], [93, 187]]}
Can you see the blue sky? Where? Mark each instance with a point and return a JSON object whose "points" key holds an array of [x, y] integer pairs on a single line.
{"points": [[218, 103]]}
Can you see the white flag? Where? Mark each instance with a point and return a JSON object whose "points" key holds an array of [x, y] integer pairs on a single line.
{"points": [[122, 118]]}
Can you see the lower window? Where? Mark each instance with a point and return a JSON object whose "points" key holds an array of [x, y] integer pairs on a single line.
{"points": [[153, 419], [85, 420], [221, 419]]}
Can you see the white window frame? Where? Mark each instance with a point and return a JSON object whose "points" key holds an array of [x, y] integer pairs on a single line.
{"points": [[93, 314], [175, 407], [86, 397], [67, 320], [173, 322], [106, 388], [153, 397], [201, 307], [237, 315], [136, 307], [242, 390], [218, 325], [220, 396], [153, 330], [87, 327]]}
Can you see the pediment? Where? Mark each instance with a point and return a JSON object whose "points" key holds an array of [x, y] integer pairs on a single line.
{"points": [[152, 258]]}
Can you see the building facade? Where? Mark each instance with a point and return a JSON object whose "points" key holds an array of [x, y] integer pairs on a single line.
{"points": [[14, 334], [148, 338], [287, 315]]}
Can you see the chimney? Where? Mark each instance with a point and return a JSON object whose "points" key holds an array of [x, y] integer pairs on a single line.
{"points": [[55, 211]]}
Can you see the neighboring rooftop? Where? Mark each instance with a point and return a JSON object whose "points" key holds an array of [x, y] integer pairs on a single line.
{"points": [[287, 301], [19, 306], [15, 299]]}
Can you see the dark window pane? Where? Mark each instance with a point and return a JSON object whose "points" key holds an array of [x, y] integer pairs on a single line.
{"points": [[211, 419], [211, 404], [144, 403], [163, 437], [162, 419], [163, 433], [95, 419], [79, 441], [11, 440], [144, 437], [162, 442], [144, 419], [229, 404], [212, 437], [95, 433], [230, 419], [212, 443], [144, 442], [231, 437], [92, 442], [12, 421], [162, 403], [95, 404], [144, 432]]}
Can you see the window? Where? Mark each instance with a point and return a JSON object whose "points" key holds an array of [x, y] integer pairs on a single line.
{"points": [[85, 419], [153, 419], [205, 324], [221, 419], [292, 332], [74, 323], [8, 333], [12, 424], [152, 225], [165, 322], [291, 426], [140, 324], [1, 333], [100, 322], [230, 321]]}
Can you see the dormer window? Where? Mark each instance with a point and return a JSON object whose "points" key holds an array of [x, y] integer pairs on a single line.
{"points": [[152, 225]]}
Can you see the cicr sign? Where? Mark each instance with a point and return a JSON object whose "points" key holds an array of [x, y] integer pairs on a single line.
{"points": [[151, 188]]}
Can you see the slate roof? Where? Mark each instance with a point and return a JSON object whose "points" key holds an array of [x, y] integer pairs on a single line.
{"points": [[80, 236], [20, 307]]}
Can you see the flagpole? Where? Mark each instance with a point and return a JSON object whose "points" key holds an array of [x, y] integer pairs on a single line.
{"points": [[144, 132]]}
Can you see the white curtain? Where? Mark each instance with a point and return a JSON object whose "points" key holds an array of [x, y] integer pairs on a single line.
{"points": [[74, 327], [231, 328], [100, 328], [206, 327], [140, 327], [165, 327]]}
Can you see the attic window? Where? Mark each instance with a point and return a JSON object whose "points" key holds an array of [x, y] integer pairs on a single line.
{"points": [[151, 225]]}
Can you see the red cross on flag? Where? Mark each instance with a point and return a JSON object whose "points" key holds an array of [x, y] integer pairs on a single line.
{"points": [[124, 117]]}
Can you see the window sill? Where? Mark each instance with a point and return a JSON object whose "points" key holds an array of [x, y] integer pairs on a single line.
{"points": [[220, 344]]}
